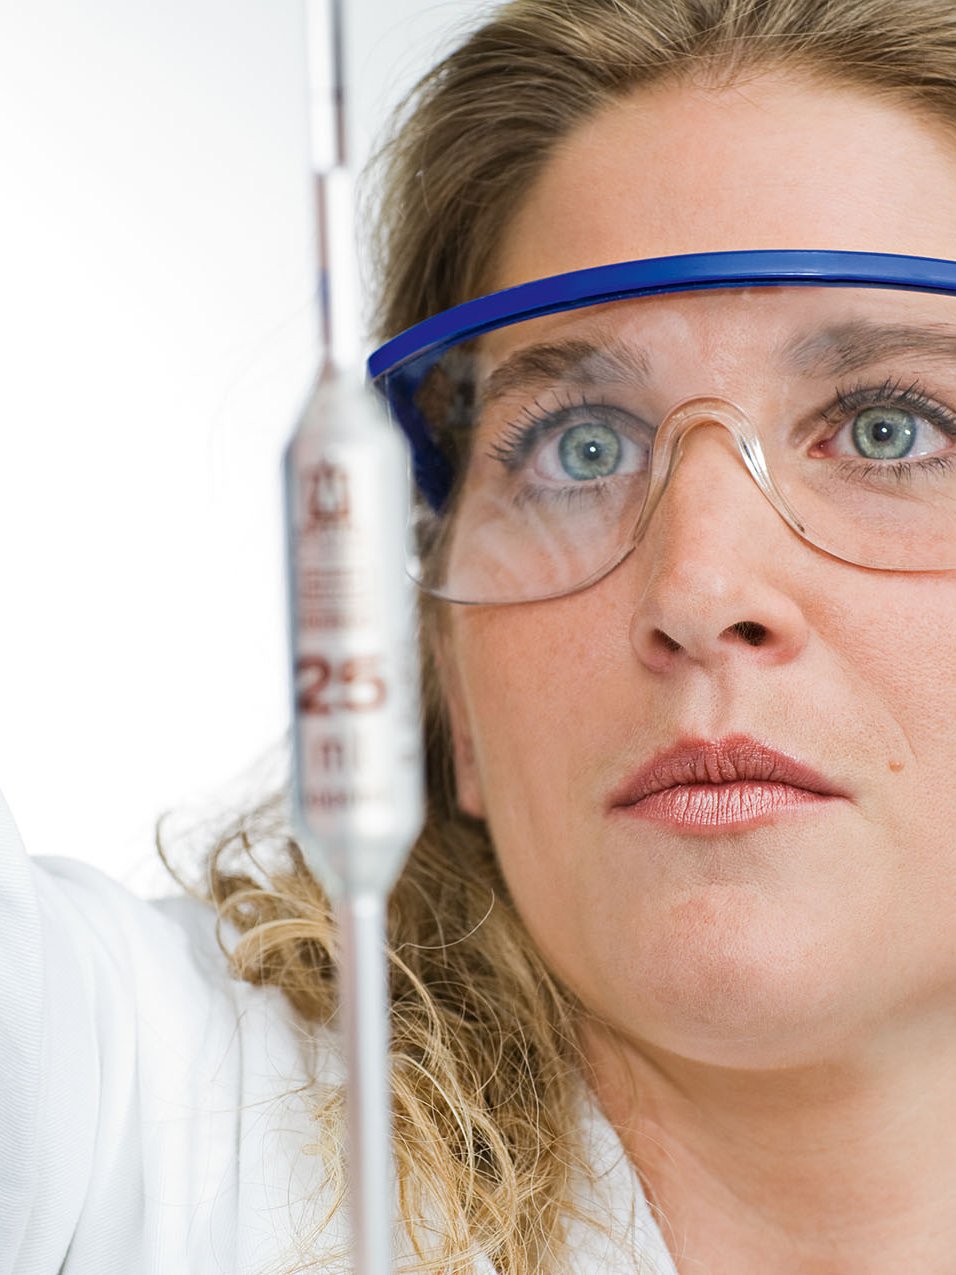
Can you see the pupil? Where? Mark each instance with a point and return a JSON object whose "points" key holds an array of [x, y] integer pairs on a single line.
{"points": [[882, 432]]}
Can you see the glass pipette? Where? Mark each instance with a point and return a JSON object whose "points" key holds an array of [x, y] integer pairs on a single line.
{"points": [[358, 774]]}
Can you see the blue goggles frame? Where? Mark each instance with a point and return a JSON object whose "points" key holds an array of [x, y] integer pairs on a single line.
{"points": [[398, 367]]}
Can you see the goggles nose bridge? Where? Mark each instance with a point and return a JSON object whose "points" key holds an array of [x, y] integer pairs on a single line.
{"points": [[668, 448]]}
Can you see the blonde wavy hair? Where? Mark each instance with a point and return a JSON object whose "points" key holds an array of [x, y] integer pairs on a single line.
{"points": [[485, 1060]]}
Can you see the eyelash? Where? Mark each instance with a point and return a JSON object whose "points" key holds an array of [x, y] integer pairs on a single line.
{"points": [[520, 437], [892, 394]]}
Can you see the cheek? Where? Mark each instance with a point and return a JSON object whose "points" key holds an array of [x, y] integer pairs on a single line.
{"points": [[896, 646], [538, 685], [540, 689], [555, 697]]}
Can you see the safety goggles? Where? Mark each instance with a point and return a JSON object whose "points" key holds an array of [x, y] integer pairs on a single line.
{"points": [[546, 421]]}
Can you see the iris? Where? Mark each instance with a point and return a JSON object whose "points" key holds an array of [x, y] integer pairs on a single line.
{"points": [[884, 433], [589, 451]]}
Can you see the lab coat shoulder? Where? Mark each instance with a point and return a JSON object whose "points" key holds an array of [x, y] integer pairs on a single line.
{"points": [[155, 1113]]}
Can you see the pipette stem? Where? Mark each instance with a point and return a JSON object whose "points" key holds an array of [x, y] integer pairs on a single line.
{"points": [[339, 99], [364, 1004], [339, 305]]}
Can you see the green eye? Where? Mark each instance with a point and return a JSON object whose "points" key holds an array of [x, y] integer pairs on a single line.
{"points": [[589, 451], [884, 433]]}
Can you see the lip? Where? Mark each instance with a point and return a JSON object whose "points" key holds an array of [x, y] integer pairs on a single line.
{"points": [[716, 785]]}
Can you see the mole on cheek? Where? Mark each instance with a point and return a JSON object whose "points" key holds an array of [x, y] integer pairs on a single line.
{"points": [[896, 767]]}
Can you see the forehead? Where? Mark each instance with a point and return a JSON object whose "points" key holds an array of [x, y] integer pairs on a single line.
{"points": [[780, 162]]}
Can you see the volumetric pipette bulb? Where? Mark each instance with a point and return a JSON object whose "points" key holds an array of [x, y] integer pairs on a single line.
{"points": [[358, 752]]}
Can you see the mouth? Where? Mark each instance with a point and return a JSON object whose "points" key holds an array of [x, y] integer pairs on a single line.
{"points": [[721, 785]]}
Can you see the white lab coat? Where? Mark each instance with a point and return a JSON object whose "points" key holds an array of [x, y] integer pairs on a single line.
{"points": [[155, 1113]]}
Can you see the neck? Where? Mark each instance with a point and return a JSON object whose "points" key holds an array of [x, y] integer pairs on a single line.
{"points": [[842, 1163]]}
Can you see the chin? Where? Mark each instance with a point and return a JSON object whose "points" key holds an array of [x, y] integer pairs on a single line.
{"points": [[748, 993]]}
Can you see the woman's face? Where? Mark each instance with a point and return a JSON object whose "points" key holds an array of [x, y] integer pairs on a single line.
{"points": [[809, 927]]}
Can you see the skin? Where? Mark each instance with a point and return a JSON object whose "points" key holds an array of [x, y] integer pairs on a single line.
{"points": [[772, 1011]]}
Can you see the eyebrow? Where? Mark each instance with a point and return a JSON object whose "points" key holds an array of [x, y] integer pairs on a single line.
{"points": [[836, 350], [859, 343], [580, 362]]}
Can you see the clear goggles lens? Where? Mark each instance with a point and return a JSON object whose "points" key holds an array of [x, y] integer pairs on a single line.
{"points": [[562, 432]]}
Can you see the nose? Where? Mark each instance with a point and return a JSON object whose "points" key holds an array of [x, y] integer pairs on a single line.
{"points": [[713, 563]]}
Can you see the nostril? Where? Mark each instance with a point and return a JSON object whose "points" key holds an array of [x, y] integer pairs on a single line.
{"points": [[666, 640], [752, 633]]}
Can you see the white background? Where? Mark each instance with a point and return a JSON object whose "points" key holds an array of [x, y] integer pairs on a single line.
{"points": [[158, 337]]}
